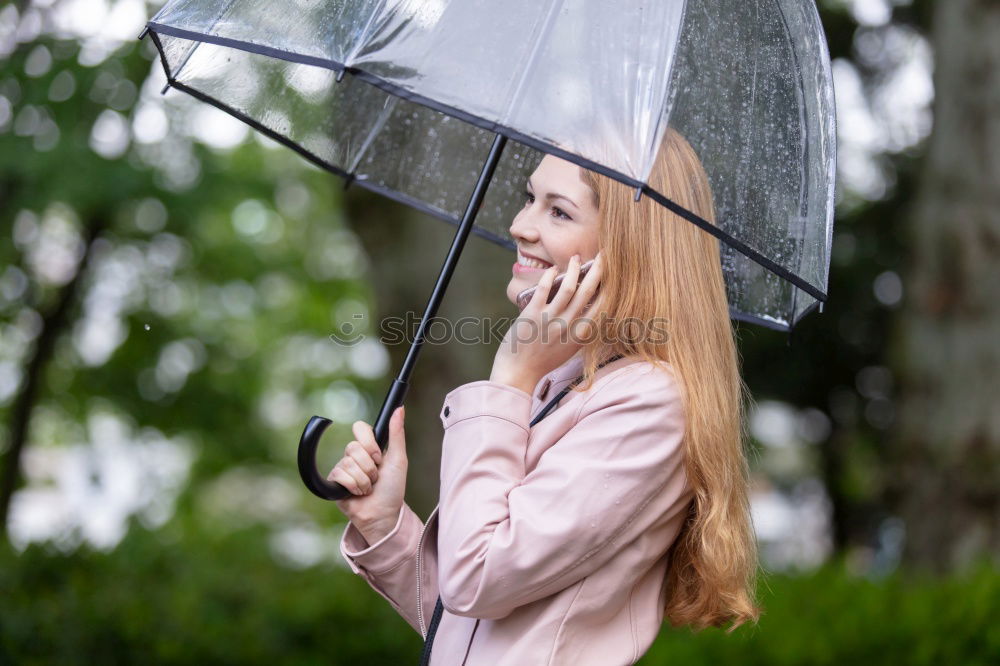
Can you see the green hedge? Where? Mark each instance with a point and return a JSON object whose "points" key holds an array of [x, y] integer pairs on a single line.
{"points": [[192, 597], [829, 617], [204, 600]]}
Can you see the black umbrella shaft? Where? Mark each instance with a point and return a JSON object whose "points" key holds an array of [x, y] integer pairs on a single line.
{"points": [[399, 386], [457, 244], [309, 441]]}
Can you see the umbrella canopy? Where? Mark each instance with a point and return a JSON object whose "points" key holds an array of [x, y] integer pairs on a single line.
{"points": [[417, 100], [429, 84]]}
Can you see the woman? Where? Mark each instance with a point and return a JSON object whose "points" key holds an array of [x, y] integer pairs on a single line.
{"points": [[568, 540]]}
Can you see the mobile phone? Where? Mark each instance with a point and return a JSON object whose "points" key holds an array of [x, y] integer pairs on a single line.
{"points": [[525, 296]]}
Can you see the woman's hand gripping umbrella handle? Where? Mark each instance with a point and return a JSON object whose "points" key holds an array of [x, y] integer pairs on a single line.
{"points": [[309, 442]]}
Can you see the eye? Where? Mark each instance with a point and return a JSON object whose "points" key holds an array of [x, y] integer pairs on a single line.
{"points": [[529, 198], [560, 213]]}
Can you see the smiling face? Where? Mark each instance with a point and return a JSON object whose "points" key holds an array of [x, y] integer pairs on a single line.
{"points": [[559, 219]]}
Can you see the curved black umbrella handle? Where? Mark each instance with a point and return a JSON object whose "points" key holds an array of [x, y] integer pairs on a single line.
{"points": [[309, 442]]}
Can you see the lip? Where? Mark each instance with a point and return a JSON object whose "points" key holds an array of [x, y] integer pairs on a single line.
{"points": [[518, 269]]}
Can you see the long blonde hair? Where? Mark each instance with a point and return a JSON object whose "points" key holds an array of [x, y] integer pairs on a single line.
{"points": [[711, 579]]}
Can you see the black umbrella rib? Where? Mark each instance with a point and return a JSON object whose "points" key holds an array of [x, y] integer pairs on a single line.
{"points": [[389, 193], [735, 243]]}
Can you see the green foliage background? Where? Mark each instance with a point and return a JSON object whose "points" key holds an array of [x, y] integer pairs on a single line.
{"points": [[186, 595]]}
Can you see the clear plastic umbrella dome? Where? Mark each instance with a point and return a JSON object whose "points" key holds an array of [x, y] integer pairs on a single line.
{"points": [[405, 97]]}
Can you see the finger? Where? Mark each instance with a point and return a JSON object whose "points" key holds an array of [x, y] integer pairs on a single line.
{"points": [[343, 478], [364, 460], [397, 437], [568, 286], [350, 466], [541, 295], [588, 286], [366, 437]]}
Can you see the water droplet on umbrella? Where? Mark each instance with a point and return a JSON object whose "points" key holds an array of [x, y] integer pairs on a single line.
{"points": [[146, 326]]}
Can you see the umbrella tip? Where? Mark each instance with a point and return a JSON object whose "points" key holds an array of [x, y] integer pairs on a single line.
{"points": [[165, 88], [144, 32], [638, 193], [340, 74]]}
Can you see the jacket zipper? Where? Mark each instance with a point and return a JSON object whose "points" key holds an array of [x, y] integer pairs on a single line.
{"points": [[420, 547]]}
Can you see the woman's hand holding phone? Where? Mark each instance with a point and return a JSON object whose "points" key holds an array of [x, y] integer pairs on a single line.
{"points": [[377, 481], [525, 296], [550, 328]]}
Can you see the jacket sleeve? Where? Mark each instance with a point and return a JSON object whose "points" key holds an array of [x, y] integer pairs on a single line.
{"points": [[508, 537], [389, 565]]}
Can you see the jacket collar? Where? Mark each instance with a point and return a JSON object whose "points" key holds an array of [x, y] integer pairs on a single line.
{"points": [[556, 380], [573, 368], [566, 372]]}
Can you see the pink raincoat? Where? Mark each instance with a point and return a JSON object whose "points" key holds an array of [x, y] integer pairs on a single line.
{"points": [[549, 543]]}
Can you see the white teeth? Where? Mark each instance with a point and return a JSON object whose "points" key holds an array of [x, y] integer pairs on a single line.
{"points": [[530, 263]]}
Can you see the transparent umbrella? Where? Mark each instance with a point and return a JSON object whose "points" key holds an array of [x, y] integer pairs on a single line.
{"points": [[448, 105]]}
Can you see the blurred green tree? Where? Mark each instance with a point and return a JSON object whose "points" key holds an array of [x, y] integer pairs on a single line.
{"points": [[944, 472], [186, 288]]}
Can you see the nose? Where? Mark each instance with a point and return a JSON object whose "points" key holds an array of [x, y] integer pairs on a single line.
{"points": [[523, 227]]}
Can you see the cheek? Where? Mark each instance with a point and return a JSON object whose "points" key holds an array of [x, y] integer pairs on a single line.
{"points": [[565, 247], [589, 244]]}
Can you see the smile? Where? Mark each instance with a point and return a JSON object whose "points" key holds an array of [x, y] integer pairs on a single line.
{"points": [[531, 263]]}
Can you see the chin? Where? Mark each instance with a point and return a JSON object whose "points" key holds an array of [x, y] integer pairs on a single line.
{"points": [[513, 289], [516, 286]]}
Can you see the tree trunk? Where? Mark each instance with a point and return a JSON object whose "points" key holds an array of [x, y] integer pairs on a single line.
{"points": [[946, 448], [55, 322]]}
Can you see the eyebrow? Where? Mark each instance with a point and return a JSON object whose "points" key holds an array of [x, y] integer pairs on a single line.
{"points": [[555, 195]]}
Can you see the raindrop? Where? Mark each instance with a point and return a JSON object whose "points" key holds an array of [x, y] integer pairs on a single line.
{"points": [[146, 326]]}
